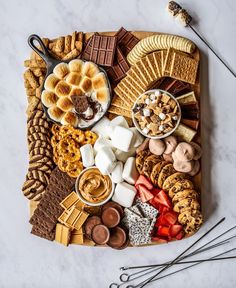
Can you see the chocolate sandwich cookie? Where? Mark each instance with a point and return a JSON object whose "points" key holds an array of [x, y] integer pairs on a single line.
{"points": [[111, 217], [100, 234], [117, 238], [90, 223]]}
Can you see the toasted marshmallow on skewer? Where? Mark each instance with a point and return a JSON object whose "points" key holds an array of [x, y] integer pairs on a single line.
{"points": [[173, 8]]}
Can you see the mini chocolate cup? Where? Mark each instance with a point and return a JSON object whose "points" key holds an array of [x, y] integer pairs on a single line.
{"points": [[100, 234], [110, 217], [117, 238], [90, 223], [115, 205]]}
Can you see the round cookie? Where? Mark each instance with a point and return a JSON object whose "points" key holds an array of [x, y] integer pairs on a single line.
{"points": [[140, 157], [156, 170], [38, 136], [149, 163], [184, 151], [191, 220], [37, 114], [165, 172], [41, 159], [187, 193], [196, 168], [38, 122], [38, 129], [40, 166], [185, 204], [197, 151], [38, 175], [41, 151], [171, 143], [171, 180], [179, 186], [157, 146], [32, 187], [39, 143], [183, 166]]}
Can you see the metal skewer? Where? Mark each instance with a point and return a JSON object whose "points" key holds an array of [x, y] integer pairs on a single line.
{"points": [[144, 283], [212, 50]]}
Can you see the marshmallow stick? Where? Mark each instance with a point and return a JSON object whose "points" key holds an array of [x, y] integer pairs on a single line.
{"points": [[182, 15]]}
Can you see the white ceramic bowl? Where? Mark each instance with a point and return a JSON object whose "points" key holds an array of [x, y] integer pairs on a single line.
{"points": [[84, 200], [137, 124]]}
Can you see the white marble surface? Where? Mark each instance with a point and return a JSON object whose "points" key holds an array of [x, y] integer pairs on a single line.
{"points": [[28, 261]]}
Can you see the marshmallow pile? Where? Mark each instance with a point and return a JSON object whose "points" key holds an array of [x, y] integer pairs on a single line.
{"points": [[184, 156], [113, 154]]}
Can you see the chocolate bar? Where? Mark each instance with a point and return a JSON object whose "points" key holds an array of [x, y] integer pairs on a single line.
{"points": [[119, 69], [103, 50], [191, 123], [126, 40]]}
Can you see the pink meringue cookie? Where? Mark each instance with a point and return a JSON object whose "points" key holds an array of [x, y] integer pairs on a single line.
{"points": [[184, 151], [196, 168], [197, 150], [171, 143], [183, 166], [157, 146], [143, 146], [168, 157]]}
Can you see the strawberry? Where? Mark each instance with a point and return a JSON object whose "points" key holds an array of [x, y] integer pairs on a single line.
{"points": [[170, 218], [175, 230], [163, 209], [155, 191], [159, 239], [163, 231], [180, 235], [144, 193], [142, 180]]}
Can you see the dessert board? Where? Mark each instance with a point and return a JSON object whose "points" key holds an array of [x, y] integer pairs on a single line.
{"points": [[79, 218]]}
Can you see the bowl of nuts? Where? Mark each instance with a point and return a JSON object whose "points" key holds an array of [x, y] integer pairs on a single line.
{"points": [[156, 114]]}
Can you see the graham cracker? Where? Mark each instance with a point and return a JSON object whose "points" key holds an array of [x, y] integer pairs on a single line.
{"points": [[119, 111], [123, 96], [163, 57], [136, 79], [152, 65], [134, 85], [63, 234], [143, 72], [184, 68], [127, 90], [148, 68], [158, 63], [168, 62], [135, 71], [118, 102]]}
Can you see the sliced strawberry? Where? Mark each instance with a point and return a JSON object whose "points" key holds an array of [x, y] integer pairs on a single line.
{"points": [[163, 209], [170, 218], [142, 180], [144, 193], [163, 231], [159, 239], [175, 230], [163, 199], [155, 191], [180, 235]]}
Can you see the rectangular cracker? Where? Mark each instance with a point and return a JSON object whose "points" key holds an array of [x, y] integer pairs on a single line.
{"points": [[185, 133], [184, 68], [135, 73], [122, 95], [143, 72], [136, 79], [168, 61], [69, 201], [118, 102], [148, 68], [77, 239], [163, 57], [152, 65], [119, 111], [129, 90], [158, 64]]}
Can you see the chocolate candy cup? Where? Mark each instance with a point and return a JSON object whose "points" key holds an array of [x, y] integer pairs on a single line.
{"points": [[100, 234], [117, 238], [111, 217], [90, 223], [115, 205]]}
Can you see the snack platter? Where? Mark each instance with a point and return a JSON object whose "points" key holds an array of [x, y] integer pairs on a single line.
{"points": [[113, 130]]}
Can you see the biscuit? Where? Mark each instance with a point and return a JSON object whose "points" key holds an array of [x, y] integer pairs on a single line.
{"points": [[149, 163], [183, 194], [38, 122], [38, 129], [191, 220], [39, 144], [38, 175], [180, 186], [156, 171], [41, 159], [38, 136], [41, 151], [165, 172], [32, 187], [185, 204], [40, 166], [140, 158], [171, 180]]}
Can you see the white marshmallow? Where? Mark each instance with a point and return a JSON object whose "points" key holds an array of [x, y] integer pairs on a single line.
{"points": [[175, 118], [122, 138], [105, 160], [102, 142], [101, 128], [145, 130], [146, 112], [161, 128], [116, 174], [123, 156], [138, 138], [147, 101], [119, 121], [124, 194], [87, 155], [152, 97], [162, 116], [130, 173], [157, 93]]}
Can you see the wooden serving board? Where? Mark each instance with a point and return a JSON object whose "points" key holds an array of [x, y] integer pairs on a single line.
{"points": [[196, 88]]}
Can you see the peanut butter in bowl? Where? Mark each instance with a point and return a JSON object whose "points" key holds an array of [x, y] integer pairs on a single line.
{"points": [[94, 188]]}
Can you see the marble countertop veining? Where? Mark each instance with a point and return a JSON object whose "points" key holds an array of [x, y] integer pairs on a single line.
{"points": [[28, 261]]}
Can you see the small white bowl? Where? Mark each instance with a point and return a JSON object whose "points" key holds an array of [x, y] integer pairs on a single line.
{"points": [[84, 200], [137, 124]]}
